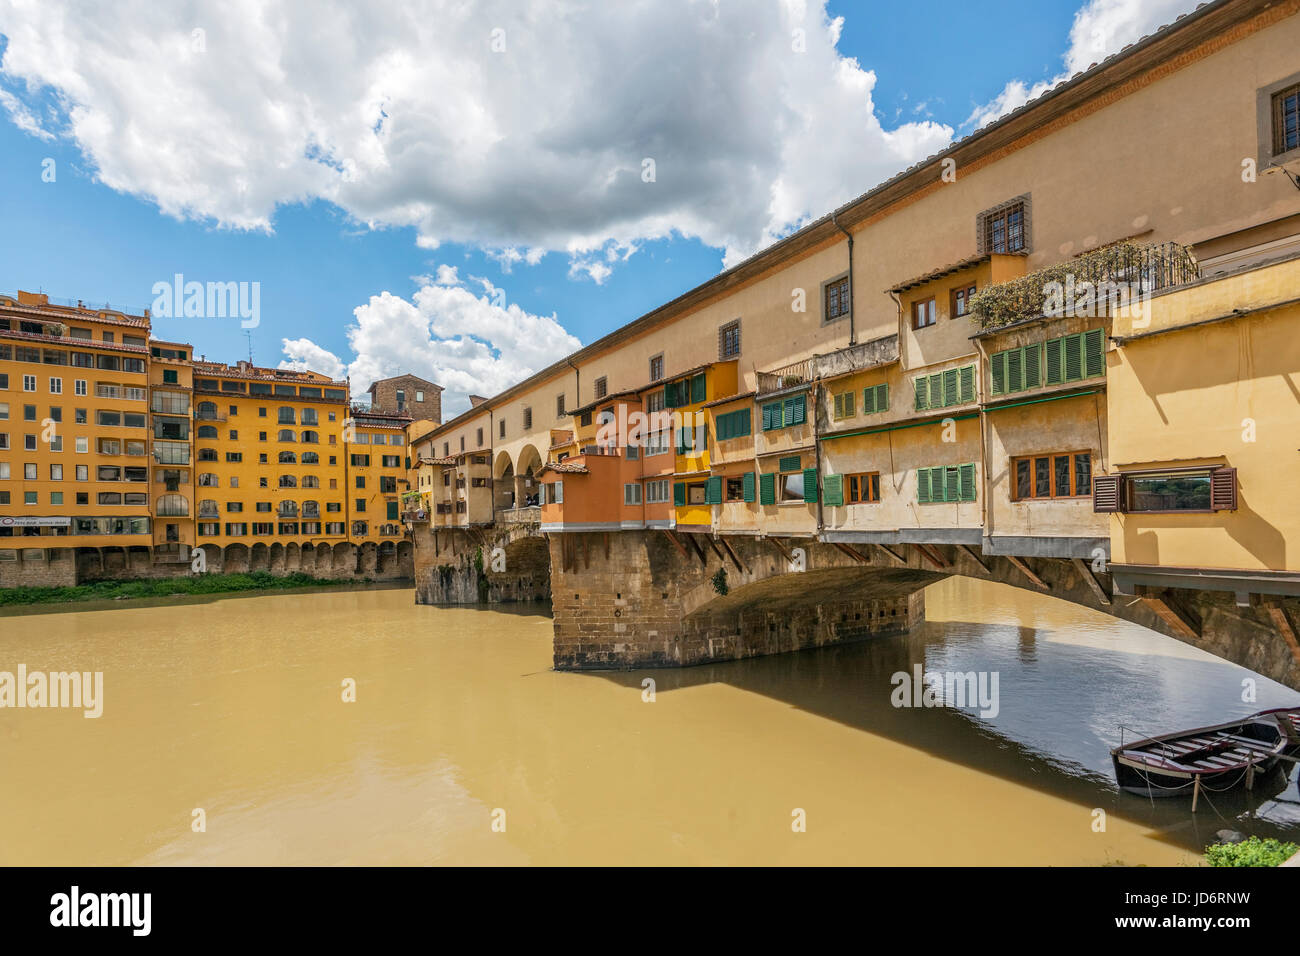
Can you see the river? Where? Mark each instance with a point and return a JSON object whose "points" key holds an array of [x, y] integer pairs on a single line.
{"points": [[463, 746]]}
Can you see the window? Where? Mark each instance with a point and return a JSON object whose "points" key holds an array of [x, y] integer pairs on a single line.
{"points": [[733, 424], [861, 489], [528, 423], [1054, 475], [56, 386], [82, 445], [923, 313], [501, 425], [729, 340], [602, 387], [656, 491], [419, 396], [783, 414], [945, 483], [79, 386], [875, 399], [735, 488], [961, 300], [479, 436], [83, 473], [360, 461], [954, 386], [844, 405], [1286, 120], [1174, 491], [657, 367], [1005, 228], [360, 505], [29, 383], [632, 493], [835, 295]]}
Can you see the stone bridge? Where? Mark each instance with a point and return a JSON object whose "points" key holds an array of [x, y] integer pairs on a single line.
{"points": [[655, 598]]}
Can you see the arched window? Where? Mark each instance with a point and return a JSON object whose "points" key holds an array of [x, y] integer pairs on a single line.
{"points": [[286, 434], [310, 458], [311, 509], [207, 431], [288, 481], [311, 437], [173, 506], [208, 508], [288, 458], [206, 410], [310, 481], [309, 417], [288, 509], [286, 415], [359, 529]]}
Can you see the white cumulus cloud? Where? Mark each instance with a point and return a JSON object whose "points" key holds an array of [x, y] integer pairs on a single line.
{"points": [[1100, 28], [520, 127], [466, 341]]}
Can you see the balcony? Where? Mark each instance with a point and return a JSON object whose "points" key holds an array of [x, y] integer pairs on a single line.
{"points": [[531, 514], [788, 376], [856, 358], [162, 405], [1099, 281], [171, 453]]}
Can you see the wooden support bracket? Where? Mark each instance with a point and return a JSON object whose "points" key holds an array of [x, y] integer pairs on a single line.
{"points": [[970, 553], [1283, 624], [1027, 572], [1090, 579], [1181, 621], [776, 543], [734, 560], [934, 557], [894, 555], [677, 544], [699, 552]]}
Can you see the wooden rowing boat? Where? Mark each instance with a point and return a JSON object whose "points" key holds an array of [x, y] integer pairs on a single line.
{"points": [[1214, 758]]}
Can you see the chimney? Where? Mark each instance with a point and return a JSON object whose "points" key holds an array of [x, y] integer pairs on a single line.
{"points": [[476, 400]]}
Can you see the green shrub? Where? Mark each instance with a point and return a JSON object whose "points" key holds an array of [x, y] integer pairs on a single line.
{"points": [[1252, 852], [197, 584]]}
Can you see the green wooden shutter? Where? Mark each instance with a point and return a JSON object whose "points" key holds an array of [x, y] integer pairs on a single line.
{"points": [[936, 390], [950, 387], [998, 372], [796, 412], [790, 463], [1073, 357], [966, 377], [1033, 365], [923, 485], [771, 416], [1094, 358], [743, 419], [849, 403], [767, 488], [697, 388], [679, 493], [722, 424], [1055, 366], [1015, 371], [938, 491], [833, 490], [713, 490], [748, 486], [670, 396], [882, 397], [922, 385], [392, 511], [967, 482], [810, 484]]}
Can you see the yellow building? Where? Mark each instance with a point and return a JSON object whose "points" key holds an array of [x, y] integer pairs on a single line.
{"points": [[378, 462], [74, 434], [171, 449]]}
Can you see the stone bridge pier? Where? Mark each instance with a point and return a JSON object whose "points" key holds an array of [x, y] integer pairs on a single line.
{"points": [[487, 565]]}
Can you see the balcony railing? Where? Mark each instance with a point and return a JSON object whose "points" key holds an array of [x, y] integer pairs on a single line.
{"points": [[169, 406], [787, 376], [169, 453], [1091, 284], [527, 515], [856, 358]]}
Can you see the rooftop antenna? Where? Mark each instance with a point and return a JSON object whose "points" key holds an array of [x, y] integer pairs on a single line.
{"points": [[249, 334]]}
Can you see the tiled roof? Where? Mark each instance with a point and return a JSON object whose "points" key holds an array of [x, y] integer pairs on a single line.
{"points": [[221, 370], [564, 468], [68, 342], [66, 313], [729, 398], [941, 272]]}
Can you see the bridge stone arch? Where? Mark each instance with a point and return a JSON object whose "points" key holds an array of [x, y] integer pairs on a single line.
{"points": [[528, 468]]}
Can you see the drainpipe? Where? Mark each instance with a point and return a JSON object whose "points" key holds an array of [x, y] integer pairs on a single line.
{"points": [[853, 339], [492, 466], [817, 451], [577, 383]]}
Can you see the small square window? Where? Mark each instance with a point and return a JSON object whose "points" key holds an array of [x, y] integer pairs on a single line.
{"points": [[729, 340]]}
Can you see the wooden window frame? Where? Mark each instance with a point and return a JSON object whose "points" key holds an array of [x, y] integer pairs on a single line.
{"points": [[933, 318], [660, 360], [724, 333], [1052, 456], [727, 488], [862, 478], [843, 298], [966, 290]]}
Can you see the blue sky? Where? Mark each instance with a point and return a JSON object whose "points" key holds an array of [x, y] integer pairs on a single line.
{"points": [[98, 233]]}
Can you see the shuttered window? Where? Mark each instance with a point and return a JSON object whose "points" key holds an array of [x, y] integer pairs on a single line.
{"points": [[679, 493], [790, 463], [733, 424], [875, 398], [767, 488], [955, 386], [749, 483], [945, 483], [1107, 493], [791, 411], [1015, 370], [845, 403], [697, 388], [1072, 358], [713, 491]]}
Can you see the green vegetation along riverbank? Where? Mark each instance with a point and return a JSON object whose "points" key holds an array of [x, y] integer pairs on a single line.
{"points": [[163, 587]]}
